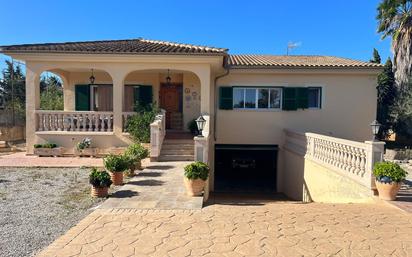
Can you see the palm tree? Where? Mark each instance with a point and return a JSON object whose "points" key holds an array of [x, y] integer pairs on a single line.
{"points": [[395, 20]]}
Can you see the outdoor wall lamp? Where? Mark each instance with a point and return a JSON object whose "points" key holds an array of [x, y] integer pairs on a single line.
{"points": [[375, 125], [200, 122], [92, 78]]}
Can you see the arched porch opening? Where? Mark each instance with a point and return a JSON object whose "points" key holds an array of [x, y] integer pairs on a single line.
{"points": [[175, 91]]}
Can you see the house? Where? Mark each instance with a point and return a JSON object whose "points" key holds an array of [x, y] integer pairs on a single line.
{"points": [[261, 111]]}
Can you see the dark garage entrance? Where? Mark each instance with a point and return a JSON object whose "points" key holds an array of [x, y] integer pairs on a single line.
{"points": [[245, 168]]}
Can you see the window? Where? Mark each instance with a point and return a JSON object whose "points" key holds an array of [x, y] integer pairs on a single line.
{"points": [[314, 97], [256, 98]]}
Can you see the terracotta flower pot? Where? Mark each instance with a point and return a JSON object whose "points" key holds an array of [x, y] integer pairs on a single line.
{"points": [[194, 187], [117, 178], [100, 191], [388, 191]]}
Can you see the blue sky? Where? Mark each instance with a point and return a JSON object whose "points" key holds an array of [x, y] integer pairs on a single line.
{"points": [[344, 28]]}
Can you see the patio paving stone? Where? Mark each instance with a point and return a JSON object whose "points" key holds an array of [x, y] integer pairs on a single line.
{"points": [[261, 228], [158, 186]]}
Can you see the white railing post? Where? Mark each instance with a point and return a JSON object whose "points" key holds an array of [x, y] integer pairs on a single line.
{"points": [[157, 134], [374, 154]]}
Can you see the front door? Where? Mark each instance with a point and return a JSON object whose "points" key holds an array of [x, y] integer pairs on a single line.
{"points": [[170, 99]]}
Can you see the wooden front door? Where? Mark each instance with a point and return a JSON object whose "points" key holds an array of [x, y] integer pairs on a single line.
{"points": [[170, 101]]}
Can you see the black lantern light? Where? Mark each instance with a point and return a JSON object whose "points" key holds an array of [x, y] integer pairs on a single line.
{"points": [[375, 125], [92, 78], [168, 79], [200, 122]]}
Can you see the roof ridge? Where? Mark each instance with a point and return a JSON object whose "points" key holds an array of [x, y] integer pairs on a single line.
{"points": [[181, 44]]}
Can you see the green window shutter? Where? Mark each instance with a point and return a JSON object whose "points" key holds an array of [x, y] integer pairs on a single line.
{"points": [[136, 96], [225, 98], [302, 97], [82, 97], [290, 99], [145, 95]]}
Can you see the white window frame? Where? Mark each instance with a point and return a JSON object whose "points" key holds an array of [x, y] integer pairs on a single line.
{"points": [[256, 108]]}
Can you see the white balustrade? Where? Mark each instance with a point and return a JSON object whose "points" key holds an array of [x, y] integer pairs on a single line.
{"points": [[350, 158], [80, 121], [157, 134], [125, 117]]}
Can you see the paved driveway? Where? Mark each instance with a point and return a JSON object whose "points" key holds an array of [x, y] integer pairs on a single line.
{"points": [[242, 229]]}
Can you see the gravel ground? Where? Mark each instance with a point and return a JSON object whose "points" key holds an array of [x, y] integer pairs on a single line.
{"points": [[37, 205]]}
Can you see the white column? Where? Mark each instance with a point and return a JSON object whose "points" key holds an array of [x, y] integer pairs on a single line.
{"points": [[32, 104], [117, 103]]}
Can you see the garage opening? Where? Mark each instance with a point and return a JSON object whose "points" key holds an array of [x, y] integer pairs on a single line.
{"points": [[245, 168]]}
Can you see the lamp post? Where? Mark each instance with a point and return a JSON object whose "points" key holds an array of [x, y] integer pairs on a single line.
{"points": [[375, 125], [200, 122]]}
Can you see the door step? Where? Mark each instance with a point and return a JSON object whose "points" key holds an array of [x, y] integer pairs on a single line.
{"points": [[177, 150], [167, 157]]}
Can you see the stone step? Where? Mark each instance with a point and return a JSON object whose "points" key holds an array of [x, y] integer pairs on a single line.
{"points": [[178, 151], [177, 148], [169, 157], [178, 142]]}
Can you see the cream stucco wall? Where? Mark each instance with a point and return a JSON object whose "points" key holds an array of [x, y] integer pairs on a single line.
{"points": [[306, 180], [348, 107]]}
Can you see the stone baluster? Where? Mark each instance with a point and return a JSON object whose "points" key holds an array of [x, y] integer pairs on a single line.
{"points": [[109, 122], [97, 122], [71, 122]]}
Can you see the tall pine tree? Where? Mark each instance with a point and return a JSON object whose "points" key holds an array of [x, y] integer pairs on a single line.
{"points": [[376, 58], [386, 97]]}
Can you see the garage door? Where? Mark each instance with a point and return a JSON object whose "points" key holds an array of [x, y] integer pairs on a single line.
{"points": [[245, 168]]}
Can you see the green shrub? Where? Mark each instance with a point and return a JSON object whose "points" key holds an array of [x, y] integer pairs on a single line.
{"points": [[389, 170], [137, 151], [197, 170], [85, 143], [99, 178], [46, 145], [138, 125], [192, 126], [116, 163]]}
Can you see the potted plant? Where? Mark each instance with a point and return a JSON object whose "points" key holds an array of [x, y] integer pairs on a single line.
{"points": [[137, 152], [116, 165], [47, 149], [100, 181], [389, 177], [83, 148], [131, 165], [195, 177]]}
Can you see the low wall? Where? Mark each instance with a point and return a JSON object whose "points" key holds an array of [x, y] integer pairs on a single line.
{"points": [[327, 169], [12, 133], [325, 185], [292, 174]]}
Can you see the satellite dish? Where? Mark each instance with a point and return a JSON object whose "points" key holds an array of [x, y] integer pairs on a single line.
{"points": [[291, 46]]}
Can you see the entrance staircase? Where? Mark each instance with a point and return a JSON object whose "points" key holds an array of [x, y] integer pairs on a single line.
{"points": [[177, 146]]}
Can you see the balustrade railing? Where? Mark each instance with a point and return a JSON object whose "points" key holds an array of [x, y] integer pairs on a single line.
{"points": [[125, 117], [74, 121], [350, 158], [157, 134]]}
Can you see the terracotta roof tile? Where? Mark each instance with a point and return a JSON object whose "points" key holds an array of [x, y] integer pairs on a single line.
{"points": [[273, 61], [129, 46]]}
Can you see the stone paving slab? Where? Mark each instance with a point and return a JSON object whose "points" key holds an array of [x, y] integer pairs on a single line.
{"points": [[242, 229], [22, 160], [158, 186]]}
